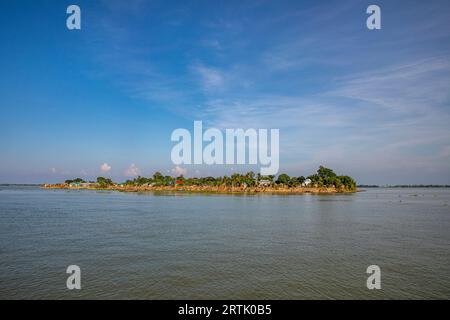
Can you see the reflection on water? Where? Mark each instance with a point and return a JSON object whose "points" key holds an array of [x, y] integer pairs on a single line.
{"points": [[194, 246]]}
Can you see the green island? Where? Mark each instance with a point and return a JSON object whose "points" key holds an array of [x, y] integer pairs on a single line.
{"points": [[323, 181]]}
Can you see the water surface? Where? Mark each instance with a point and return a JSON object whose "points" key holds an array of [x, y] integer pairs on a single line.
{"points": [[205, 246]]}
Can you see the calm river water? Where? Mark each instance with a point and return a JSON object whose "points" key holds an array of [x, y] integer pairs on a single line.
{"points": [[196, 246]]}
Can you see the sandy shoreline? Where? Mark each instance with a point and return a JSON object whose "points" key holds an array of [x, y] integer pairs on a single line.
{"points": [[209, 189]]}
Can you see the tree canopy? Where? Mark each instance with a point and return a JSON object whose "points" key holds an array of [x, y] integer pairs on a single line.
{"points": [[324, 177], [77, 180]]}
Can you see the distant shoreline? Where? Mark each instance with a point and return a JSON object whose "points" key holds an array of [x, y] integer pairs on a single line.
{"points": [[21, 184], [405, 186], [359, 186]]}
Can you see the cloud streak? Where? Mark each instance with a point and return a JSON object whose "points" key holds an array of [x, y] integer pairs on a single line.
{"points": [[336, 90]]}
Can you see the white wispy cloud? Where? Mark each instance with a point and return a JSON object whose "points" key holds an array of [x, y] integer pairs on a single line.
{"points": [[179, 171], [132, 171], [211, 79], [105, 167], [390, 117], [417, 86], [334, 91]]}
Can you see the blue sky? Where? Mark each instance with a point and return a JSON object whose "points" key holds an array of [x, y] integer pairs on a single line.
{"points": [[371, 104]]}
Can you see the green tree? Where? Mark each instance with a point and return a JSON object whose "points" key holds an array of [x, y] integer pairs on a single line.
{"points": [[169, 181], [296, 181], [140, 181], [283, 179], [316, 180], [347, 182], [327, 177], [325, 172], [235, 179], [158, 179], [104, 182], [77, 180]]}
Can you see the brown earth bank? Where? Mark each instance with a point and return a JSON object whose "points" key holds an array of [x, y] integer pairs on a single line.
{"points": [[211, 189]]}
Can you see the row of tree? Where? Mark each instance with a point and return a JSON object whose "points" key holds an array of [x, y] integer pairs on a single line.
{"points": [[101, 181], [324, 177]]}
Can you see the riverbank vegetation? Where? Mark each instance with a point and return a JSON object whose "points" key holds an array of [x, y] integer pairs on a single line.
{"points": [[324, 180]]}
